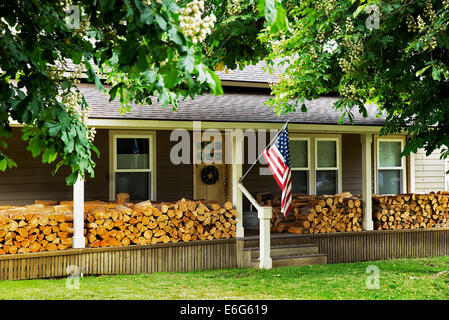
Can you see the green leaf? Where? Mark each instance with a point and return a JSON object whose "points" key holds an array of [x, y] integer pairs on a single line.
{"points": [[72, 178], [275, 14], [49, 155], [107, 5], [215, 84], [359, 10], [76, 56], [164, 98], [176, 36], [3, 164], [420, 72], [147, 16], [170, 76], [11, 163], [436, 74], [53, 129], [188, 63], [113, 91], [161, 22]]}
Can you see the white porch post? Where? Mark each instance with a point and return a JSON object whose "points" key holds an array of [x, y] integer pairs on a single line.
{"points": [[366, 140], [264, 214], [78, 215], [237, 160]]}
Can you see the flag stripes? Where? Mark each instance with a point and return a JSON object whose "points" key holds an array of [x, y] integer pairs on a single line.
{"points": [[278, 159]]}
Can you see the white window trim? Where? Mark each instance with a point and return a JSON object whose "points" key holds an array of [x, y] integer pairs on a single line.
{"points": [[313, 159], [309, 159], [403, 167], [338, 160], [113, 136], [446, 176]]}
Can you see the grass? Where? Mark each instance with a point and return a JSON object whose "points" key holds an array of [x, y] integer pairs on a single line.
{"points": [[398, 279]]}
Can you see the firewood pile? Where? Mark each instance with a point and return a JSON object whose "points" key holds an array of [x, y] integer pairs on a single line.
{"points": [[151, 223], [35, 228], [411, 211], [316, 214], [48, 226]]}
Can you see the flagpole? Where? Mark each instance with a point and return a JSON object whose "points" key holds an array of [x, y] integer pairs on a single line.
{"points": [[247, 171]]}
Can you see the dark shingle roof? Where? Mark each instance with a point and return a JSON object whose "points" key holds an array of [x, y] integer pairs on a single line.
{"points": [[251, 73], [235, 106]]}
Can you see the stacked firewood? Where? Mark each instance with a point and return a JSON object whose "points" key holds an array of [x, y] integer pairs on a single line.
{"points": [[48, 226], [316, 214], [411, 211], [35, 228], [150, 223]]}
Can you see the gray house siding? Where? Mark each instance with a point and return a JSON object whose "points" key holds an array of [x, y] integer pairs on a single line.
{"points": [[429, 172]]}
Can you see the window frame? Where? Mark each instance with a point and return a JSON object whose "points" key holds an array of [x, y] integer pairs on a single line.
{"points": [[308, 168], [151, 136], [402, 168], [312, 158], [338, 160]]}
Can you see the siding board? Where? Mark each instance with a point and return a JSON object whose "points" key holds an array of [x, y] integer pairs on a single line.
{"points": [[429, 172]]}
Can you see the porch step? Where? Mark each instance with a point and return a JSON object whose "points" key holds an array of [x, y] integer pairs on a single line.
{"points": [[285, 250], [294, 261], [277, 240]]}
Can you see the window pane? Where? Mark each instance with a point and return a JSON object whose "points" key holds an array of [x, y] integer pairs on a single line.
{"points": [[326, 182], [300, 181], [136, 184], [133, 153], [389, 181], [326, 154], [389, 154], [298, 154]]}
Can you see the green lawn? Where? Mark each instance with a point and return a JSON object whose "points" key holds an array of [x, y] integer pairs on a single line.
{"points": [[398, 279]]}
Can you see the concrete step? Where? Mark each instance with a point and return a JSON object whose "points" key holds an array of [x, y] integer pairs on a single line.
{"points": [[287, 250], [294, 261]]}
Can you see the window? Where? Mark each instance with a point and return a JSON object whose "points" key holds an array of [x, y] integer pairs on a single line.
{"points": [[209, 152], [315, 164], [390, 166], [132, 166], [327, 164], [299, 161]]}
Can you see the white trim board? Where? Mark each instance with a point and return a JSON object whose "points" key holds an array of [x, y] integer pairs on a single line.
{"points": [[189, 125]]}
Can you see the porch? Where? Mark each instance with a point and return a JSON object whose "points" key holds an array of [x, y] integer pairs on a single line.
{"points": [[354, 167]]}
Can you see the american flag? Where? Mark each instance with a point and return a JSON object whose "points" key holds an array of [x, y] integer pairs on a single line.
{"points": [[278, 160]]}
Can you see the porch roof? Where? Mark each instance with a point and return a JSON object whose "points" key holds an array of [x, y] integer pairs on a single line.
{"points": [[232, 106]]}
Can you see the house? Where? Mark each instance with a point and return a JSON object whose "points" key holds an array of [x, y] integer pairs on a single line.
{"points": [[155, 153], [137, 151]]}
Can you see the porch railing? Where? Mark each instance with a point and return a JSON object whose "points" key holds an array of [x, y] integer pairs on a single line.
{"points": [[264, 214]]}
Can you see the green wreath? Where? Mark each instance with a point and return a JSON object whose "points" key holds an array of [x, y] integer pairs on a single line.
{"points": [[209, 175]]}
